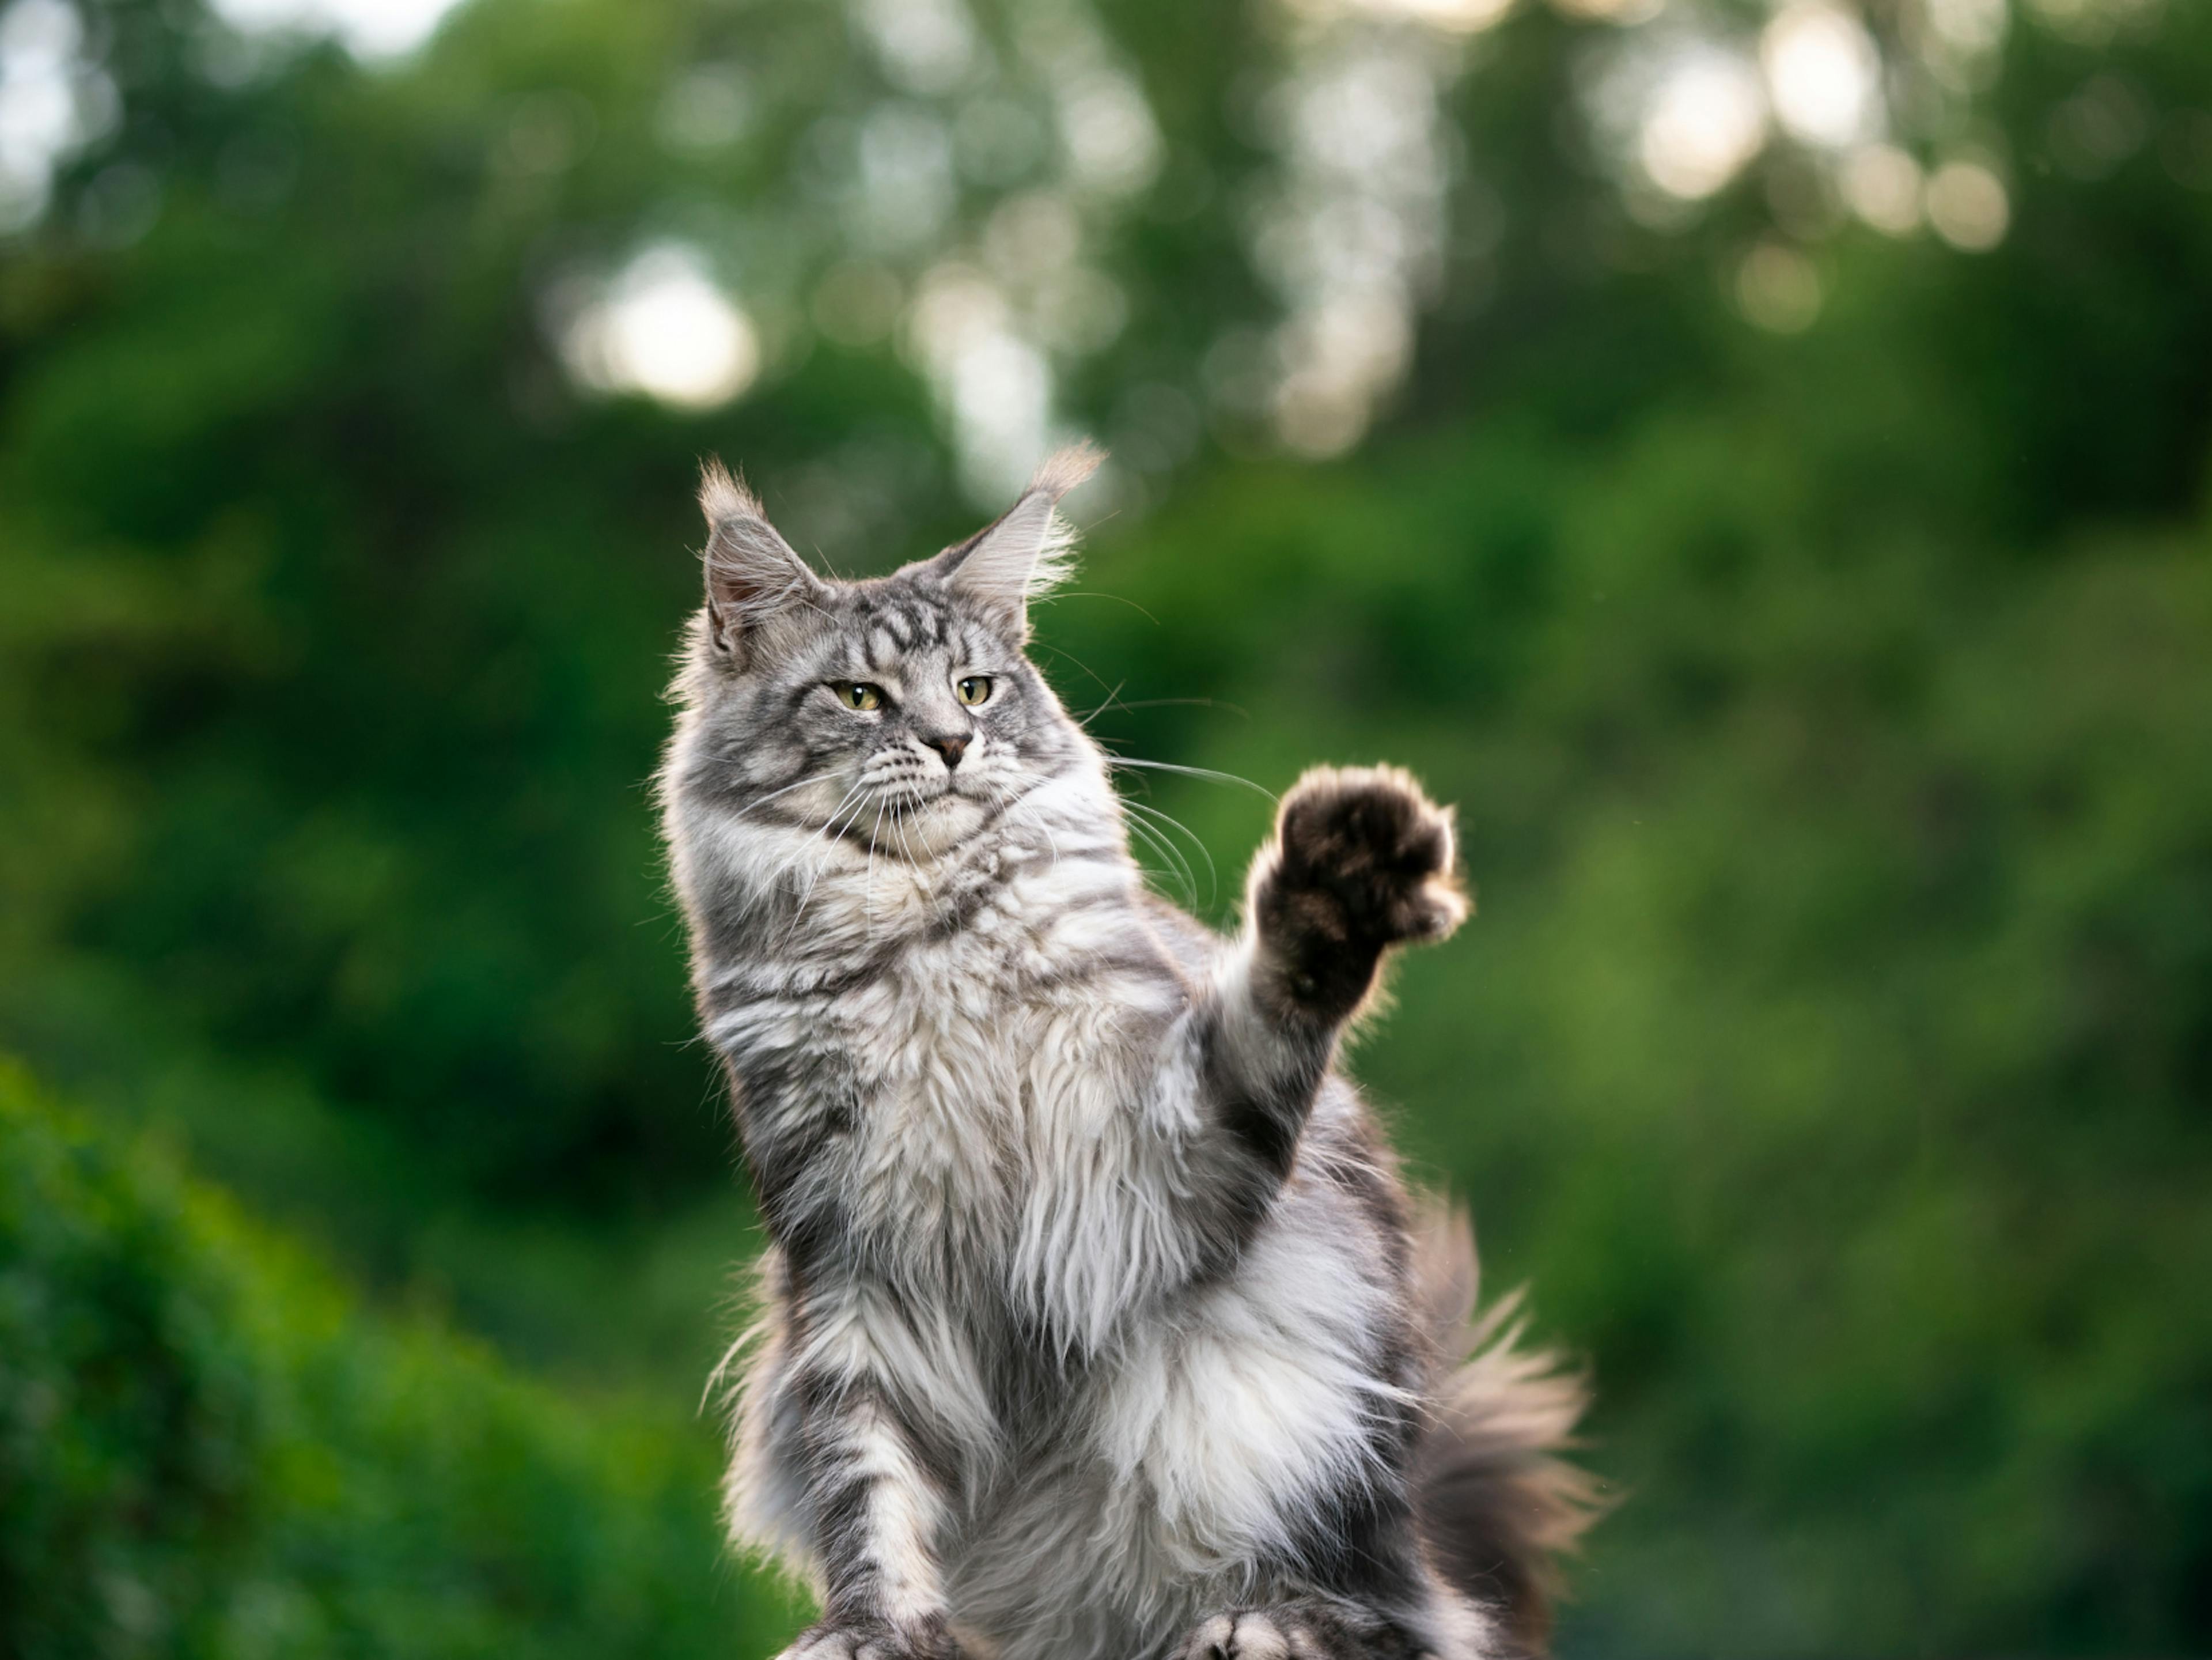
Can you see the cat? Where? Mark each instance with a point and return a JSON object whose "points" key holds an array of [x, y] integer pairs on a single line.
{"points": [[1098, 1323]]}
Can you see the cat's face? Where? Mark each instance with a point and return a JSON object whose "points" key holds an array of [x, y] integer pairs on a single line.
{"points": [[900, 712], [889, 708]]}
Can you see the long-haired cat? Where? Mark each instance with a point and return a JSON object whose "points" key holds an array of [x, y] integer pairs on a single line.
{"points": [[1098, 1324]]}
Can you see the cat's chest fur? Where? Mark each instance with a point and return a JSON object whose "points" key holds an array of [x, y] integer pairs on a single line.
{"points": [[975, 1048]]}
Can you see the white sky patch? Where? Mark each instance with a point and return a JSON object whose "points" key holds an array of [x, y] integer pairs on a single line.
{"points": [[51, 103], [370, 28], [39, 41], [1823, 74], [664, 328], [995, 384], [1351, 236], [1107, 134]]}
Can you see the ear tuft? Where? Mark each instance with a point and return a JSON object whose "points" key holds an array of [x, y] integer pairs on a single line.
{"points": [[1064, 469], [1032, 549], [723, 496], [752, 573]]}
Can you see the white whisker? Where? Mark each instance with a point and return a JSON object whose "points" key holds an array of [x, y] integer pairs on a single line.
{"points": [[1178, 867], [827, 832], [761, 801], [1206, 773], [868, 890], [1213, 876]]}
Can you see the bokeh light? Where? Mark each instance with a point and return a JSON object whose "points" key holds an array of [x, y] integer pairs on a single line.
{"points": [[1823, 72], [51, 103], [371, 28], [1778, 289], [992, 381], [1882, 185], [1620, 12], [664, 328], [1706, 118], [1456, 16], [1969, 206]]}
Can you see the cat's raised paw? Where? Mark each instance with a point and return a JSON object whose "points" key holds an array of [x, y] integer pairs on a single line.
{"points": [[1364, 860]]}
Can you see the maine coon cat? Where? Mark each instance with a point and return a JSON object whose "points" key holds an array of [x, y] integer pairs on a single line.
{"points": [[1098, 1323]]}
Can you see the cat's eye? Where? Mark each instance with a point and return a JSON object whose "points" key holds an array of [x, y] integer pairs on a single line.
{"points": [[974, 689], [858, 694]]}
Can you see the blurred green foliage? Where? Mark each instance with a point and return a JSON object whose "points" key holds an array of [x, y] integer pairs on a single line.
{"points": [[208, 1449], [1828, 712]]}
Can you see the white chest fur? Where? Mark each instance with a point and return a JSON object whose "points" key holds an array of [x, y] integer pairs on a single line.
{"points": [[988, 1050]]}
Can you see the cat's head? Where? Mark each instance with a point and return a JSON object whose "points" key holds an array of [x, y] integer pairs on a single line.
{"points": [[906, 700]]}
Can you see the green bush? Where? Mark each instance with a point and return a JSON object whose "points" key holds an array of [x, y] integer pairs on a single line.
{"points": [[207, 1448]]}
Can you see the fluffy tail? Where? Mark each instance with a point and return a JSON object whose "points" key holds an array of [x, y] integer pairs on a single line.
{"points": [[1496, 1504]]}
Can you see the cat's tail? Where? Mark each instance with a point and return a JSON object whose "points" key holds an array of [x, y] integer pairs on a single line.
{"points": [[1496, 1503]]}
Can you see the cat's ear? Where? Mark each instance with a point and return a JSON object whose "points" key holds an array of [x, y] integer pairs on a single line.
{"points": [[1005, 565], [752, 573]]}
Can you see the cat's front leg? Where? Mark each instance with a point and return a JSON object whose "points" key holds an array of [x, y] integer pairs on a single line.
{"points": [[1361, 860], [871, 1639], [1303, 1628], [875, 1500]]}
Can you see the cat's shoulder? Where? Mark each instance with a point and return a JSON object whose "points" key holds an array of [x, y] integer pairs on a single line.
{"points": [[1190, 941]]}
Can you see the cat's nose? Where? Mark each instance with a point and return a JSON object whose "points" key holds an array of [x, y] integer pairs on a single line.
{"points": [[950, 748]]}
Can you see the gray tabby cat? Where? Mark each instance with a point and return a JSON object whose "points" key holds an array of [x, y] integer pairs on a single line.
{"points": [[1098, 1323]]}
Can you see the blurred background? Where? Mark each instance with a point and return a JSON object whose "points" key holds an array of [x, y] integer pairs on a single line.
{"points": [[1752, 456]]}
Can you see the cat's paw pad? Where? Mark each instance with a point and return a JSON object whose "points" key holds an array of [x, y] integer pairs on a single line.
{"points": [[1254, 1634], [1364, 856]]}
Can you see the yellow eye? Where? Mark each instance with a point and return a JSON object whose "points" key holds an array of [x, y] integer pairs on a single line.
{"points": [[858, 694], [976, 688]]}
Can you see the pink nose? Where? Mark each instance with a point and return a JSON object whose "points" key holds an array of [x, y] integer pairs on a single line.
{"points": [[950, 748]]}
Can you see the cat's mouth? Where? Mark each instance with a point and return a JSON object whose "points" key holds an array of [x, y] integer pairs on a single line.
{"points": [[934, 811], [917, 797], [924, 820]]}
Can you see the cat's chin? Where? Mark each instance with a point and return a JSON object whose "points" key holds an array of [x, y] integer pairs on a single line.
{"points": [[943, 822]]}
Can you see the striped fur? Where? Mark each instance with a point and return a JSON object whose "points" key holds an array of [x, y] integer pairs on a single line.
{"points": [[1097, 1324]]}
